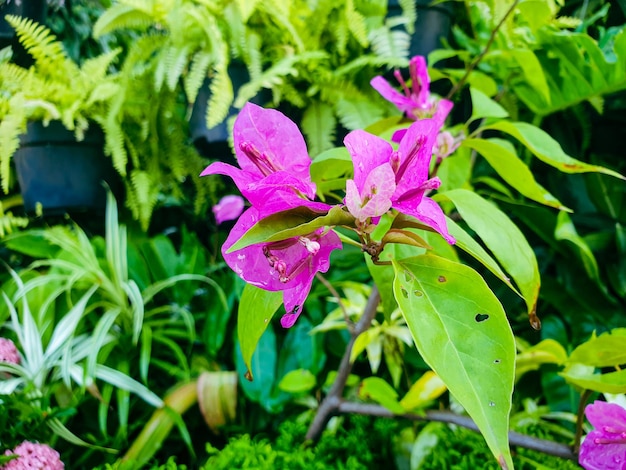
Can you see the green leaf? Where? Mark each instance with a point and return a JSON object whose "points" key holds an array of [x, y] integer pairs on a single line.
{"points": [[503, 238], [376, 389], [501, 155], [606, 350], [330, 169], [546, 149], [256, 309], [461, 331], [291, 223], [565, 230], [613, 382], [483, 106], [297, 381], [547, 351]]}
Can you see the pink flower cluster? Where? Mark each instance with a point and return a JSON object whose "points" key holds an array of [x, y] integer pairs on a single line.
{"points": [[8, 352], [274, 176], [33, 456], [604, 448]]}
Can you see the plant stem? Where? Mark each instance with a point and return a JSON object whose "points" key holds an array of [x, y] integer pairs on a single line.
{"points": [[330, 405], [580, 417], [480, 56], [515, 438]]}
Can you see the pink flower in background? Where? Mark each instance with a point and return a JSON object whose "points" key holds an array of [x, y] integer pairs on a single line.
{"points": [[415, 102], [288, 265], [604, 448], [446, 145], [33, 456], [228, 208], [409, 167], [272, 155], [8, 352]]}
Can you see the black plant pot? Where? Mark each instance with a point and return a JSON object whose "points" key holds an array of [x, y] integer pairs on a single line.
{"points": [[431, 26], [213, 143], [33, 9], [61, 174]]}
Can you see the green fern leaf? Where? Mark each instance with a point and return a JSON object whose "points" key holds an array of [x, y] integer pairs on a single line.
{"points": [[356, 23], [390, 43], [357, 114], [11, 127], [409, 11], [177, 66], [221, 96], [142, 194], [319, 124], [120, 16], [194, 79]]}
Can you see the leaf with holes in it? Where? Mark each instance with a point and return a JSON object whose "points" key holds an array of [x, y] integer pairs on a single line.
{"points": [[461, 331]]}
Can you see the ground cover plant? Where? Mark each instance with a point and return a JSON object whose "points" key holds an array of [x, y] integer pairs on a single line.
{"points": [[443, 287]]}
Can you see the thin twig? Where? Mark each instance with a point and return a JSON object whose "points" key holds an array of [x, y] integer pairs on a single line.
{"points": [[330, 405], [580, 417], [516, 439], [479, 57]]}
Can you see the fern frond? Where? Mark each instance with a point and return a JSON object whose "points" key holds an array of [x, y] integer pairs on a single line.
{"points": [[369, 60], [9, 222], [247, 7], [356, 23], [357, 114], [390, 43], [121, 16], [39, 41], [11, 126], [194, 79], [275, 74], [319, 125], [114, 143], [409, 11], [176, 67], [95, 69], [221, 98], [141, 196]]}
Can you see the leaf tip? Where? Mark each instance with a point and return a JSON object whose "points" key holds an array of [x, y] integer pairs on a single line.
{"points": [[248, 376]]}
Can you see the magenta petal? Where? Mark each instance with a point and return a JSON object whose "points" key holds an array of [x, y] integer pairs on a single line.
{"points": [[368, 151], [420, 81], [242, 179], [421, 135], [402, 102], [398, 135], [379, 187], [428, 212], [601, 413], [276, 136], [441, 113], [593, 456], [228, 208]]}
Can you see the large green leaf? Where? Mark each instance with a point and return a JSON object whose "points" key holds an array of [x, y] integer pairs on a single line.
{"points": [[256, 309], [501, 155], [291, 223], [461, 331], [546, 149], [503, 238], [483, 106], [606, 350], [612, 382]]}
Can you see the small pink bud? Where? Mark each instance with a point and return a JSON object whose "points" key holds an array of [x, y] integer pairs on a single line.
{"points": [[8, 352]]}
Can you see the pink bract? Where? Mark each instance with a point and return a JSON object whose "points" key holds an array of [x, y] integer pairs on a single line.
{"points": [[288, 265], [228, 208], [604, 448], [414, 102]]}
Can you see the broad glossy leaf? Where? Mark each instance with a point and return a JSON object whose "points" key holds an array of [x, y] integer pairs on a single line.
{"points": [[613, 382], [291, 223], [461, 331], [256, 309], [376, 389], [547, 351], [546, 149], [331, 169], [426, 389], [483, 106], [503, 238], [501, 155], [465, 242], [297, 381], [606, 350]]}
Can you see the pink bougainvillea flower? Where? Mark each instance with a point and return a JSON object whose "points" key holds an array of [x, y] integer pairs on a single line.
{"points": [[33, 456], [446, 145], [410, 166], [271, 154], [288, 265], [604, 448], [8, 352], [228, 208], [415, 102], [368, 195]]}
